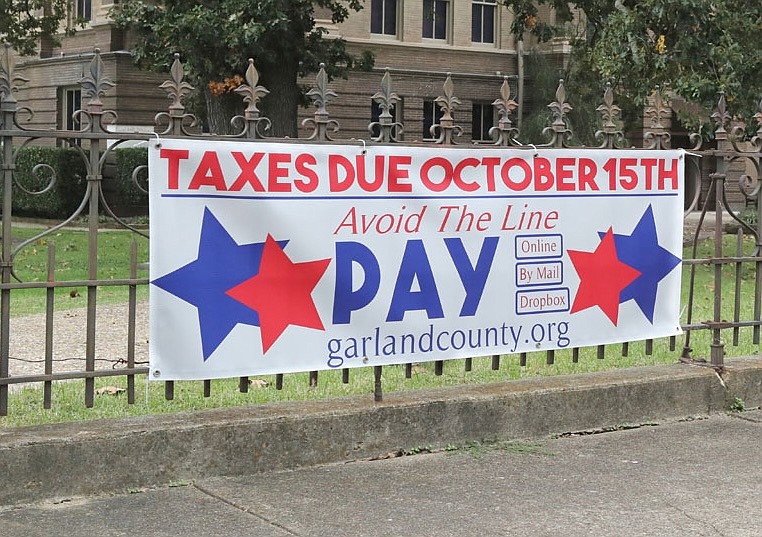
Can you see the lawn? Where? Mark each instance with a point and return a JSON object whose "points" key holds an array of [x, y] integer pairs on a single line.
{"points": [[25, 406], [71, 246]]}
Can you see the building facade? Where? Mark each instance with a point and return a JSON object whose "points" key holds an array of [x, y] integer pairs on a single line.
{"points": [[418, 41], [53, 77]]}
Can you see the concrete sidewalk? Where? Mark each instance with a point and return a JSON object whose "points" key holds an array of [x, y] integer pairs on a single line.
{"points": [[70, 460], [700, 477]]}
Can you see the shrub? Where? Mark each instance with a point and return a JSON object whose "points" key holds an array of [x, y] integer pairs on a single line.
{"points": [[64, 196], [122, 194], [68, 168]]}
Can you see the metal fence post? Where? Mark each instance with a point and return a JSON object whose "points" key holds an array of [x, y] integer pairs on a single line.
{"points": [[8, 107]]}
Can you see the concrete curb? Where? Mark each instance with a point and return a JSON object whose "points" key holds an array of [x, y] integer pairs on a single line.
{"points": [[84, 458]]}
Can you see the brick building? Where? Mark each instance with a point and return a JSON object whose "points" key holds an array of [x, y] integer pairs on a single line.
{"points": [[53, 91], [419, 41]]}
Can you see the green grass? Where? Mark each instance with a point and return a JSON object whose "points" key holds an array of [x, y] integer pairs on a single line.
{"points": [[477, 449], [71, 246], [25, 405]]}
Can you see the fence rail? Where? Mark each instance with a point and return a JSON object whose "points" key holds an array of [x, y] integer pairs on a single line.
{"points": [[729, 155]]}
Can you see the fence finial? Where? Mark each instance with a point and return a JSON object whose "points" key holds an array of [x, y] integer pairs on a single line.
{"points": [[757, 140], [95, 84], [8, 78], [721, 118], [252, 92], [610, 112], [321, 95], [658, 136], [505, 133], [559, 129], [447, 103], [176, 89], [388, 129]]}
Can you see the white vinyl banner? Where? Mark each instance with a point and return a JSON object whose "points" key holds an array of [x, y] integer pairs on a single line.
{"points": [[284, 257]]}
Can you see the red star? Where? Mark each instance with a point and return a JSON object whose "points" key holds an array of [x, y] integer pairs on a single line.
{"points": [[281, 293], [602, 277]]}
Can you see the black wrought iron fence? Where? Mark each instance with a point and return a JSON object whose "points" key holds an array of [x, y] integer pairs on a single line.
{"points": [[731, 165]]}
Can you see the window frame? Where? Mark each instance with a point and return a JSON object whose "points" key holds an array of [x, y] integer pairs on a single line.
{"points": [[385, 19], [71, 102], [432, 115], [481, 6], [82, 10], [434, 24], [483, 126]]}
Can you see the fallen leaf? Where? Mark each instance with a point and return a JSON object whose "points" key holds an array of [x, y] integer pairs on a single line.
{"points": [[109, 390]]}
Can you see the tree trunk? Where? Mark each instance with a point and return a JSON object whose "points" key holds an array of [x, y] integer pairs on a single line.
{"points": [[220, 109], [281, 105]]}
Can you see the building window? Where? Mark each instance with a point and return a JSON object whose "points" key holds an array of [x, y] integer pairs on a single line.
{"points": [[383, 17], [435, 19], [483, 21], [71, 102], [83, 10], [432, 115], [482, 120], [375, 117]]}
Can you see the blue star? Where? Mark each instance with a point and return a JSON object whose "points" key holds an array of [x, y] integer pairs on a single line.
{"points": [[642, 252], [221, 265]]}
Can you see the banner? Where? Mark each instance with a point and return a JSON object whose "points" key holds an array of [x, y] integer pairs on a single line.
{"points": [[279, 257]]}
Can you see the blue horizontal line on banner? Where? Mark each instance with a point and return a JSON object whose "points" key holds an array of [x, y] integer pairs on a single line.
{"points": [[434, 198]]}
